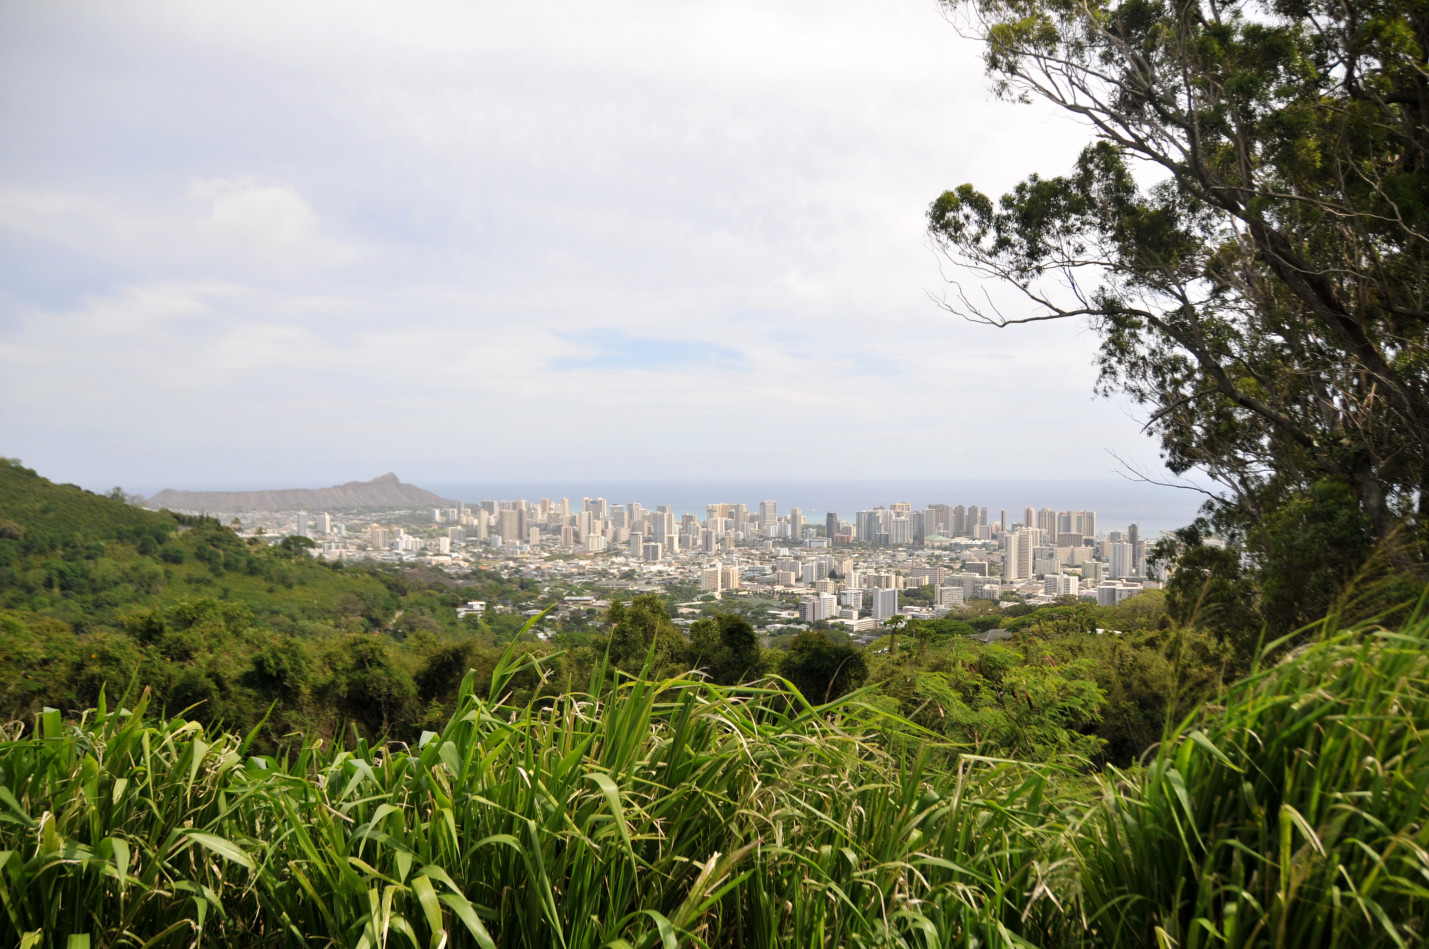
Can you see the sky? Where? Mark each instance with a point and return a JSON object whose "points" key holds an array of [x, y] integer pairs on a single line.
{"points": [[259, 244]]}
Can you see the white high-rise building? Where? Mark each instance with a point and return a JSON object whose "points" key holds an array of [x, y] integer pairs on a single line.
{"points": [[885, 603], [1046, 566], [710, 580], [817, 607], [900, 529], [948, 597], [1017, 553], [1112, 592], [1121, 560]]}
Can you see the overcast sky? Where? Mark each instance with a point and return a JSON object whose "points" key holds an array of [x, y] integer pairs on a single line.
{"points": [[276, 244]]}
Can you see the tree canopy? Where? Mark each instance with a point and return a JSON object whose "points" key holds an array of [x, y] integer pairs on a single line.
{"points": [[1248, 231]]}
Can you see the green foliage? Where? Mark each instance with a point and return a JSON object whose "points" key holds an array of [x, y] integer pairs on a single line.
{"points": [[681, 814], [1311, 548], [1264, 302], [295, 544], [726, 646], [181, 605], [280, 672], [821, 669], [1210, 588], [642, 629], [998, 700], [1290, 813], [366, 687], [47, 517]]}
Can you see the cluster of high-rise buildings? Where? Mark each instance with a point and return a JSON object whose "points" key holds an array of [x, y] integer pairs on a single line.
{"points": [[844, 570]]}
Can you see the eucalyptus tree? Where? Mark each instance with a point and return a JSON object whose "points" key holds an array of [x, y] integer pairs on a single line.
{"points": [[1247, 230]]}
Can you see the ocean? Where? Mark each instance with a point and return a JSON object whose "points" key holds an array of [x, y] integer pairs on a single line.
{"points": [[1118, 502]]}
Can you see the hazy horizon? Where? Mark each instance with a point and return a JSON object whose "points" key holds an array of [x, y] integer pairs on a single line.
{"points": [[1117, 500]]}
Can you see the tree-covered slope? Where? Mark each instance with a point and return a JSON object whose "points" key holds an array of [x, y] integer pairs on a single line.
{"points": [[96, 591], [39, 515]]}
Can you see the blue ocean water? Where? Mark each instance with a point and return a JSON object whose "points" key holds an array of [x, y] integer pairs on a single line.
{"points": [[1118, 502]]}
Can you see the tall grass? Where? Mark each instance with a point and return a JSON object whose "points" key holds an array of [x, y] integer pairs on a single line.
{"points": [[670, 813], [1291, 815], [682, 813]]}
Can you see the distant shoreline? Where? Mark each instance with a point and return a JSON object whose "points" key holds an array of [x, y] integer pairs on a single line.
{"points": [[1118, 502]]}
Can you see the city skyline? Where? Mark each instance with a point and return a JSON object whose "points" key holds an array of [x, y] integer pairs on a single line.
{"points": [[944, 555]]}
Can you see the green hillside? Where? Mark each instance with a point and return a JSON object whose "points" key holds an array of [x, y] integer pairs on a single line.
{"points": [[96, 591], [39, 515]]}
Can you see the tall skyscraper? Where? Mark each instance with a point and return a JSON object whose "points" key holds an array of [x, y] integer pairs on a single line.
{"points": [[1120, 562], [937, 519], [768, 512], [1017, 554], [885, 603], [900, 529], [796, 523], [957, 520], [508, 525], [664, 525], [710, 579], [831, 526]]}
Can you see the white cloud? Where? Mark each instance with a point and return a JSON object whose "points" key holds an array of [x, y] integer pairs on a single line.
{"points": [[389, 228], [266, 218]]}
